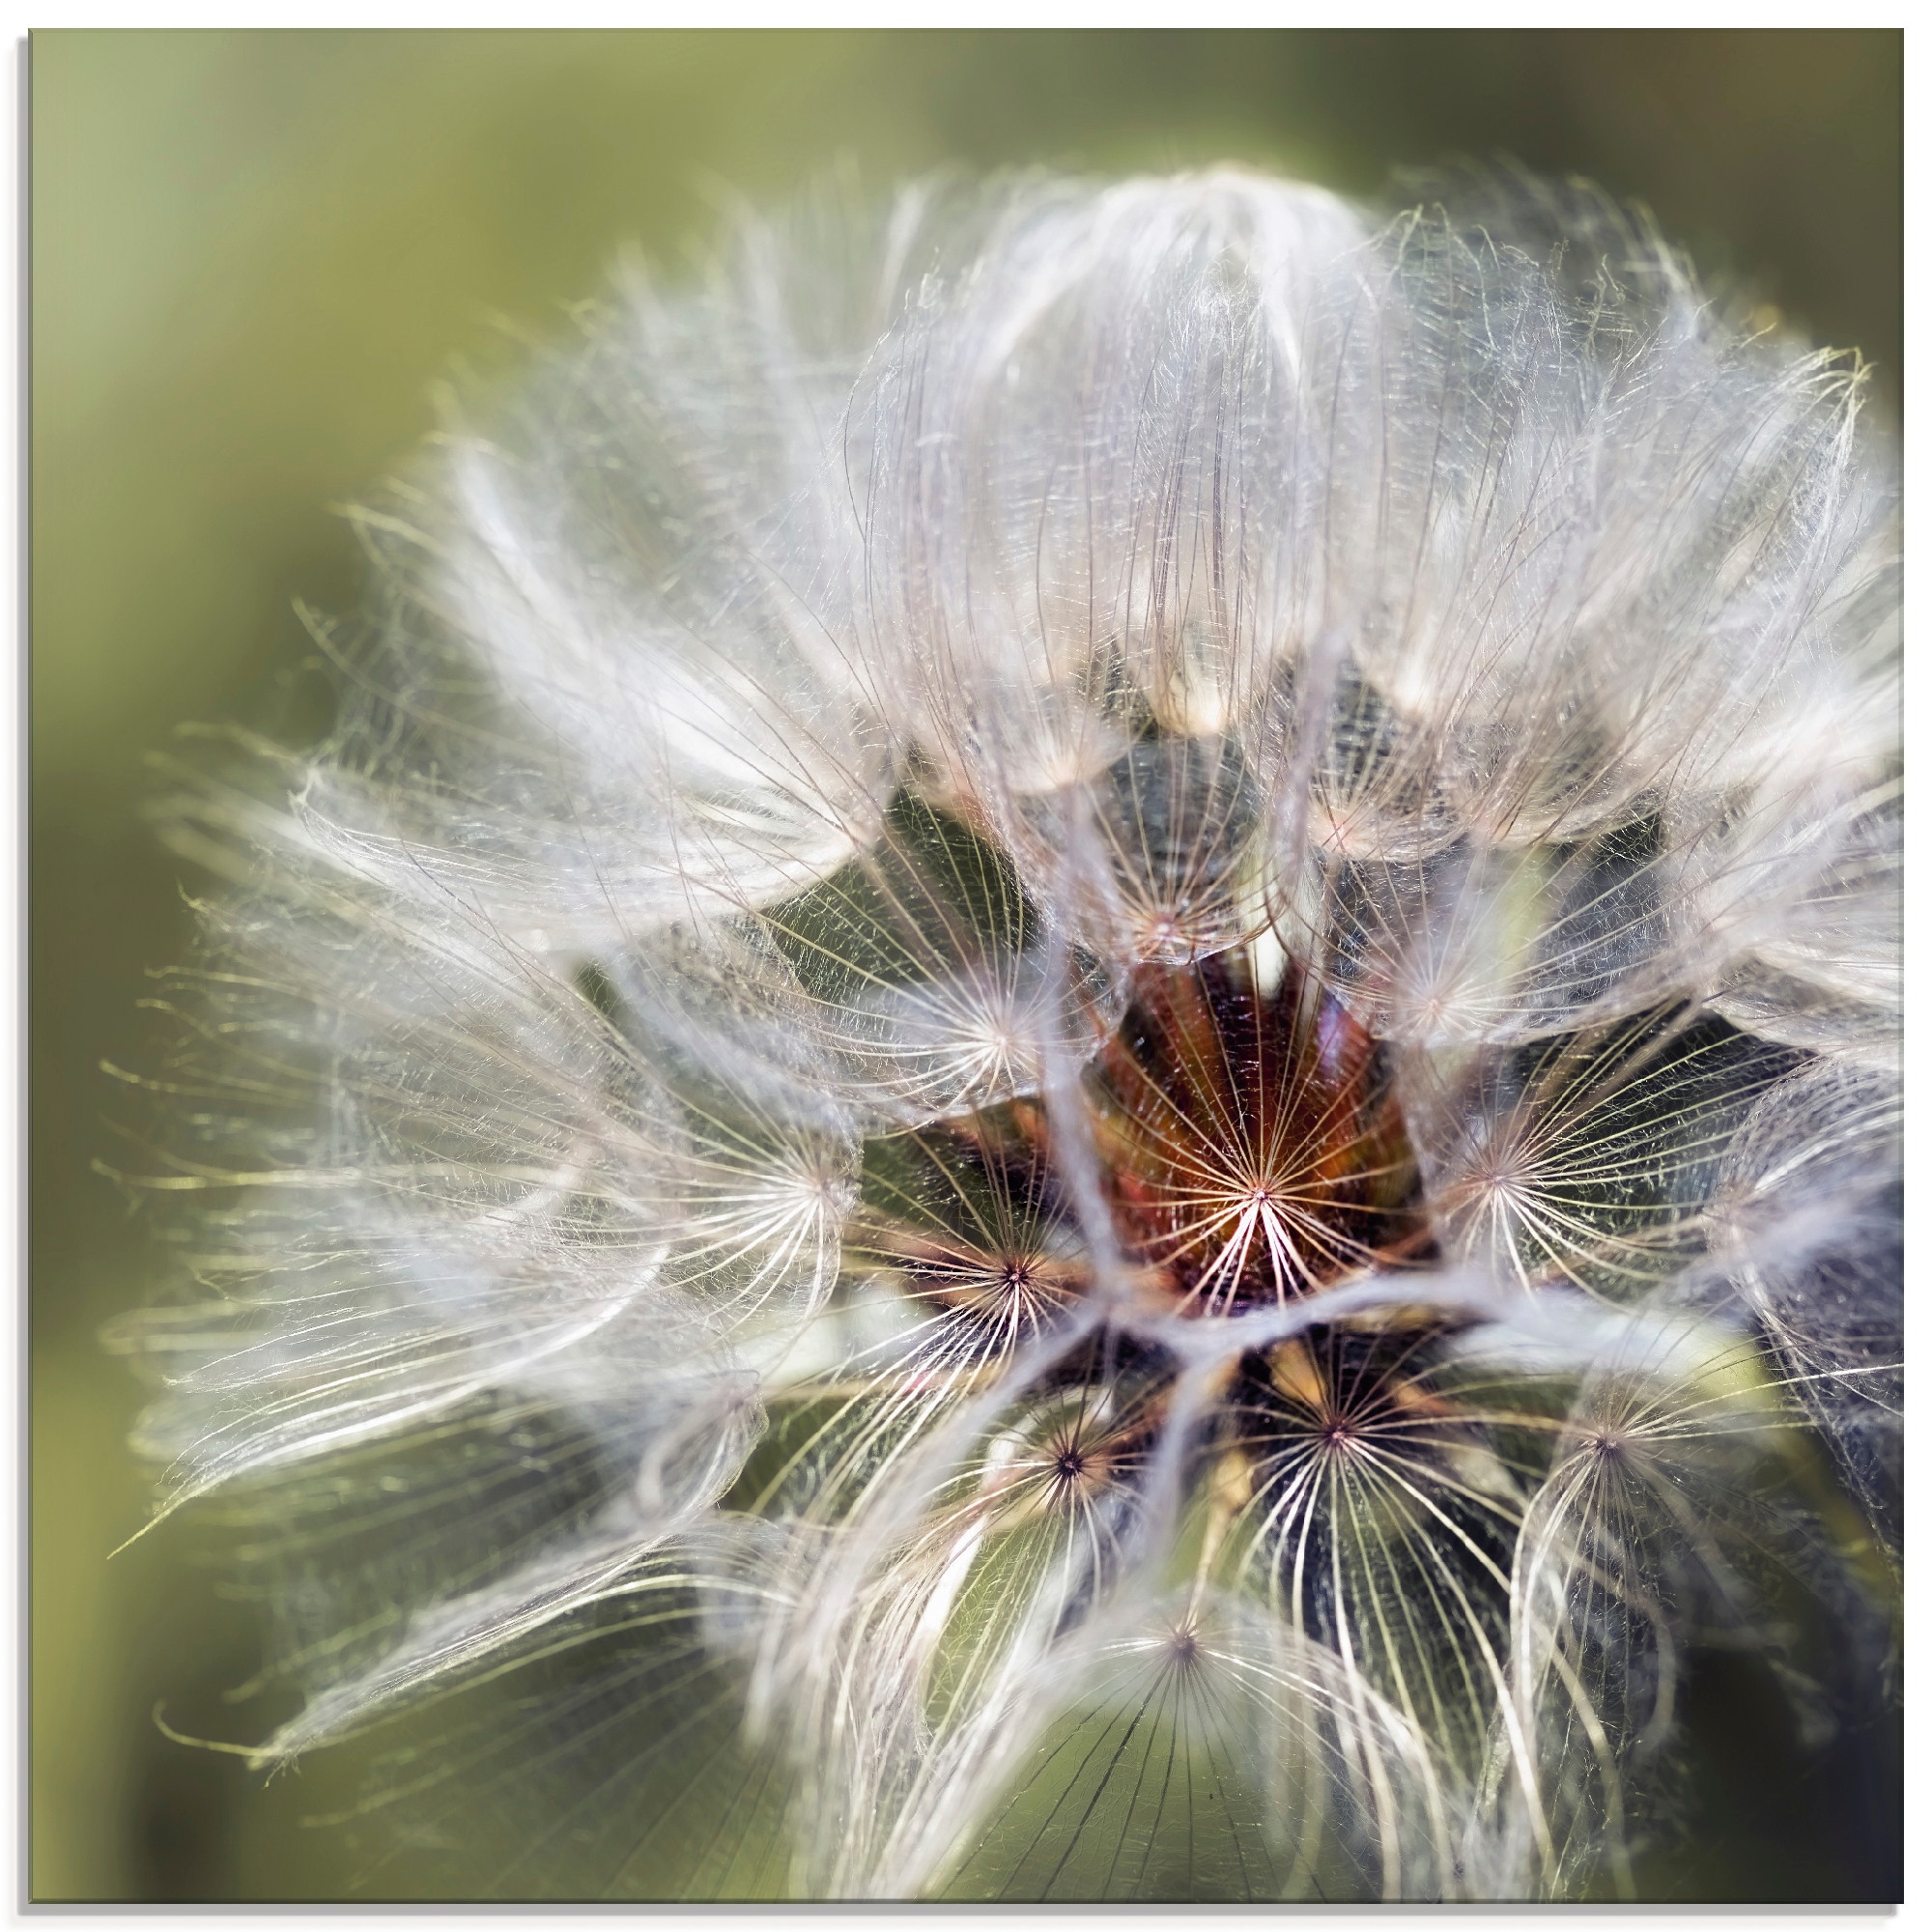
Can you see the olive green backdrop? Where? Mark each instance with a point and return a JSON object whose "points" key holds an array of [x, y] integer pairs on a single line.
{"points": [[252, 253]]}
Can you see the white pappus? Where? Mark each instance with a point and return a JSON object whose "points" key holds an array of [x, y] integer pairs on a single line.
{"points": [[1077, 1076]]}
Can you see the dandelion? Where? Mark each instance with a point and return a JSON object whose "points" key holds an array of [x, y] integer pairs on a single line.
{"points": [[1077, 1075]]}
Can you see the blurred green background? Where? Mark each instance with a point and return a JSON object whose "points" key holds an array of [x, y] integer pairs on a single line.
{"points": [[252, 253]]}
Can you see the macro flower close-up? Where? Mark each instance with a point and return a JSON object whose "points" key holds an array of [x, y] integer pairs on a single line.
{"points": [[1076, 1075]]}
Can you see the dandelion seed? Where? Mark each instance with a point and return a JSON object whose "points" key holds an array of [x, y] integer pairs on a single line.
{"points": [[1075, 1079]]}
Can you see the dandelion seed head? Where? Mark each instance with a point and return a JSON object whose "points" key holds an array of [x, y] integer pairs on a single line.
{"points": [[1131, 951]]}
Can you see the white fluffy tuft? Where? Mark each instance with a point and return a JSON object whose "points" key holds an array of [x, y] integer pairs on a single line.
{"points": [[1093, 1001]]}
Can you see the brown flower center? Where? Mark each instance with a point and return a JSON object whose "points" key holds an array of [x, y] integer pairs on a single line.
{"points": [[1252, 1149]]}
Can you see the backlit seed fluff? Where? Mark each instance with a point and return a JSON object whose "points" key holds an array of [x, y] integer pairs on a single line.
{"points": [[1077, 1077]]}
